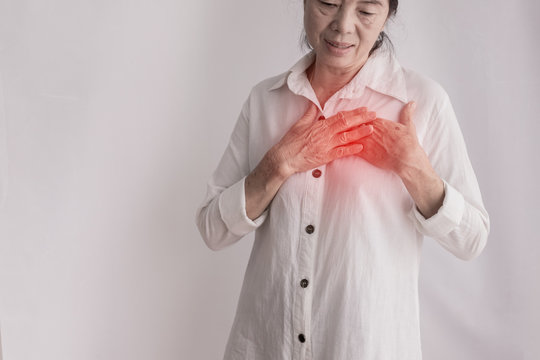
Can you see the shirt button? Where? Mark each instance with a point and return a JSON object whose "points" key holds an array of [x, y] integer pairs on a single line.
{"points": [[316, 173], [302, 338], [304, 283], [310, 229]]}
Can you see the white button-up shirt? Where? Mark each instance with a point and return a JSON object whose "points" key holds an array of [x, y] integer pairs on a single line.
{"points": [[333, 272]]}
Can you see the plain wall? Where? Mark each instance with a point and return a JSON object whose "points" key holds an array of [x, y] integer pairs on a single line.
{"points": [[113, 115]]}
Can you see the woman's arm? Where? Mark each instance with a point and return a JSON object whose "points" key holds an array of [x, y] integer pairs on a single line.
{"points": [[395, 147], [438, 176], [263, 183], [221, 217], [462, 224]]}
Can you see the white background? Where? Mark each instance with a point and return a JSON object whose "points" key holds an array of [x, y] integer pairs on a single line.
{"points": [[114, 113]]}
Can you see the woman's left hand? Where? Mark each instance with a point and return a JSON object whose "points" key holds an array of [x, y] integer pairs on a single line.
{"points": [[394, 146]]}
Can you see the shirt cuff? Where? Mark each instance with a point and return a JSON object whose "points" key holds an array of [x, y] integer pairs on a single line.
{"points": [[232, 207], [447, 217]]}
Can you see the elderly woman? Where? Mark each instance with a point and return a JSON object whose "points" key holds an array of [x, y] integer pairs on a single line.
{"points": [[341, 166]]}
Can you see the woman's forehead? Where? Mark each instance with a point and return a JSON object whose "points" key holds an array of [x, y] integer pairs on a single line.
{"points": [[381, 3], [375, 2]]}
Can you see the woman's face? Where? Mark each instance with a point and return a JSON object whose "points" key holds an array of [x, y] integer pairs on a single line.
{"points": [[342, 32]]}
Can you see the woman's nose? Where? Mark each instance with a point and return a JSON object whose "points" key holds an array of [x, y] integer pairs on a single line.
{"points": [[344, 21]]}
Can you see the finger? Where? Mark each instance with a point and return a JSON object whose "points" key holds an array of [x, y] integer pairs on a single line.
{"points": [[358, 111], [345, 120], [342, 151], [405, 116], [354, 135]]}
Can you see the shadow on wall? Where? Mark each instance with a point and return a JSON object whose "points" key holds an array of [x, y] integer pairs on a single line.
{"points": [[3, 151]]}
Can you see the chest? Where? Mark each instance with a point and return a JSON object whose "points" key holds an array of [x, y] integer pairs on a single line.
{"points": [[270, 120]]}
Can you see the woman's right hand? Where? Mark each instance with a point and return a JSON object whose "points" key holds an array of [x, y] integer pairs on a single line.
{"points": [[310, 143]]}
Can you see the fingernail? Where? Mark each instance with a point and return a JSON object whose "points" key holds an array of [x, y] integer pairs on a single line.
{"points": [[413, 105]]}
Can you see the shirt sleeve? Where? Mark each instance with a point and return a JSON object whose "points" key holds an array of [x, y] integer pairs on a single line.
{"points": [[221, 218], [461, 225]]}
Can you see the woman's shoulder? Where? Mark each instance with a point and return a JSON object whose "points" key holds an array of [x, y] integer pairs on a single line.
{"points": [[266, 91], [271, 83], [279, 82], [420, 86]]}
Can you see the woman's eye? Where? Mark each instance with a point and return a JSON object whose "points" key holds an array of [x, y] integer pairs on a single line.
{"points": [[366, 13], [329, 4]]}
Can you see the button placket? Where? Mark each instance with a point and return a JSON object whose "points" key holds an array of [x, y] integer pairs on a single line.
{"points": [[314, 185]]}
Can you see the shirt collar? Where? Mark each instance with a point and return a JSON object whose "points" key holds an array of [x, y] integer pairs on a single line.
{"points": [[381, 73], [296, 74]]}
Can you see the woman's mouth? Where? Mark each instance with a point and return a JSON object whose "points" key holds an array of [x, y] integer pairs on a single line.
{"points": [[339, 45], [338, 48]]}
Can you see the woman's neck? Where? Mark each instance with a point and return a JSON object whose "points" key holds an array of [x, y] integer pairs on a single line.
{"points": [[326, 81]]}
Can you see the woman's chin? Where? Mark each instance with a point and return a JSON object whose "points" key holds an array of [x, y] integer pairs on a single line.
{"points": [[338, 62]]}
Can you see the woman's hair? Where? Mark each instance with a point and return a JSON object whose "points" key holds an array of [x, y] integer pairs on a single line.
{"points": [[392, 9], [383, 37]]}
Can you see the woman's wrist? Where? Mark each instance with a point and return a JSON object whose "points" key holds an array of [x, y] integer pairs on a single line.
{"points": [[263, 183], [276, 161], [425, 187]]}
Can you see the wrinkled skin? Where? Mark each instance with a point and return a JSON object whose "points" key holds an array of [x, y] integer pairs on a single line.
{"points": [[393, 145], [385, 144], [310, 142]]}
